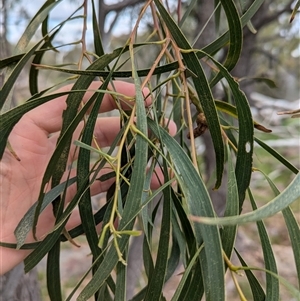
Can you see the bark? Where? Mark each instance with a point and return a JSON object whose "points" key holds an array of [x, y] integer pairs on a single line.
{"points": [[104, 9]]}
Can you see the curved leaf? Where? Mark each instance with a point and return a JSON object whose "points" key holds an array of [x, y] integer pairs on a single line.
{"points": [[202, 88], [199, 203], [286, 198], [236, 38], [272, 283]]}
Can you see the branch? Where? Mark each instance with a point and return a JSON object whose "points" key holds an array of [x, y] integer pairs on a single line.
{"points": [[108, 32], [117, 7], [268, 19]]}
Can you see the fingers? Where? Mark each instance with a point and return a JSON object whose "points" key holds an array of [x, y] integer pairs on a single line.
{"points": [[96, 187], [171, 127], [99, 187], [48, 117], [105, 132], [107, 128]]}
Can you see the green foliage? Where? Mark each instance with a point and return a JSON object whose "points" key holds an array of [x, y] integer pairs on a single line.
{"points": [[189, 231]]}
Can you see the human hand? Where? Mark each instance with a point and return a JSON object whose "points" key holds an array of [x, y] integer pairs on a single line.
{"points": [[34, 139]]}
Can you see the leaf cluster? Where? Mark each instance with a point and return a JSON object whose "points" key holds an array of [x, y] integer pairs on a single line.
{"points": [[190, 233]]}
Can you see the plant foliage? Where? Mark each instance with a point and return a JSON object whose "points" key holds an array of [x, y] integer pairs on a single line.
{"points": [[189, 231]]}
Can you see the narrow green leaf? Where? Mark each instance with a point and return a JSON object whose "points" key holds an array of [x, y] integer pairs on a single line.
{"points": [[49, 241], [228, 233], [220, 42], [133, 200], [98, 218], [141, 153], [53, 256], [186, 273], [10, 81], [272, 284], [124, 73], [244, 7], [83, 170], [53, 273], [185, 225], [34, 24], [71, 119], [236, 38], [257, 291], [276, 155], [286, 198], [147, 260], [217, 15], [187, 12], [268, 81], [43, 248], [175, 257], [295, 293], [199, 204], [292, 226], [33, 73], [121, 281], [231, 110], [294, 233], [6, 62], [148, 225], [25, 225], [157, 278], [194, 290], [13, 71], [202, 88], [244, 159], [29, 246], [10, 118], [295, 10], [97, 37]]}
